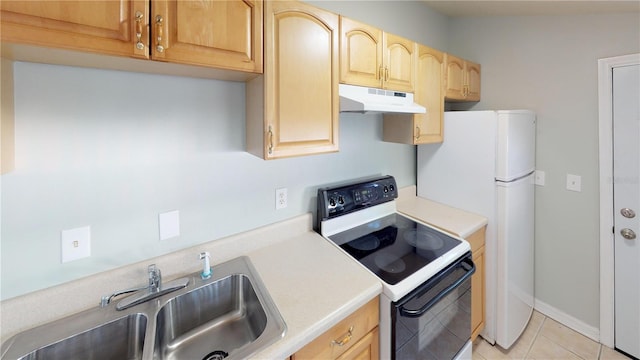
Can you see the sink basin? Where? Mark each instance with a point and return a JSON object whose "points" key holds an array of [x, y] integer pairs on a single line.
{"points": [[119, 339], [215, 319], [227, 316]]}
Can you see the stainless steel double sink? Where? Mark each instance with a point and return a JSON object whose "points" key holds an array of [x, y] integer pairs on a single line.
{"points": [[228, 316]]}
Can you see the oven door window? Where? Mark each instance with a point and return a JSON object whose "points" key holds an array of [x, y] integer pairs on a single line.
{"points": [[434, 321]]}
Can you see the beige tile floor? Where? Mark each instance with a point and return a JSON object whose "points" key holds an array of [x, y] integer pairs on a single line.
{"points": [[547, 339]]}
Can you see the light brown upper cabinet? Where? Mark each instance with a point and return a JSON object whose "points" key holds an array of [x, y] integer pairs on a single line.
{"points": [[107, 27], [429, 92], [221, 34], [371, 57], [462, 79], [292, 109]]}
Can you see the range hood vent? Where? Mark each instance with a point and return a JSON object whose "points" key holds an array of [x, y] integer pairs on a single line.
{"points": [[362, 99]]}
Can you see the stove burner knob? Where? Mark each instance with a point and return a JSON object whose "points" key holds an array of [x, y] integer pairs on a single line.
{"points": [[386, 189], [392, 188], [341, 200], [332, 202]]}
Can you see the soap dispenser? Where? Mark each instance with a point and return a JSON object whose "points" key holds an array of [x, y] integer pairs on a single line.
{"points": [[206, 270]]}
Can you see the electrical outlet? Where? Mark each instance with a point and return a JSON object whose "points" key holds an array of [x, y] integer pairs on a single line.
{"points": [[539, 177], [169, 223], [75, 244], [574, 182], [281, 198]]}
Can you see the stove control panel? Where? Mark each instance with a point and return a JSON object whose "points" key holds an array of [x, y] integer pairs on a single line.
{"points": [[342, 199]]}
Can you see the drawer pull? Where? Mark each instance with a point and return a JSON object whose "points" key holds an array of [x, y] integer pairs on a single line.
{"points": [[345, 339]]}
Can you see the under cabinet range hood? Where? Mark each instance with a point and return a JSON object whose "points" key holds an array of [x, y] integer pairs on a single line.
{"points": [[365, 99]]}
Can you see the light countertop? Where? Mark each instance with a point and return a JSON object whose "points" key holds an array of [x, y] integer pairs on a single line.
{"points": [[313, 284], [456, 221]]}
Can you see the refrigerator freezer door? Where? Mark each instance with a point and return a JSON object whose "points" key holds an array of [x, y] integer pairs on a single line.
{"points": [[515, 268], [515, 149]]}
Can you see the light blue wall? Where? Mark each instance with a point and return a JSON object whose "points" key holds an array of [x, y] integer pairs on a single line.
{"points": [[113, 149]]}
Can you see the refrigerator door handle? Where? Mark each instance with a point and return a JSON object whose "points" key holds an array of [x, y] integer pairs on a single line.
{"points": [[515, 179]]}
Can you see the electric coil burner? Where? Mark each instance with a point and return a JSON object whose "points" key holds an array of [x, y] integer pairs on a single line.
{"points": [[418, 265]]}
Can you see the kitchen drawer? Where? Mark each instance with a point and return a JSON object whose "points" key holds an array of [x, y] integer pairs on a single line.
{"points": [[350, 331], [367, 348]]}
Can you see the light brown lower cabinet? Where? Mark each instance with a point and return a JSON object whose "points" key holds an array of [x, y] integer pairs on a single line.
{"points": [[355, 337], [477, 240]]}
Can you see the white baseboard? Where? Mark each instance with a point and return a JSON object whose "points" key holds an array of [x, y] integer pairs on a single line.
{"points": [[567, 320]]}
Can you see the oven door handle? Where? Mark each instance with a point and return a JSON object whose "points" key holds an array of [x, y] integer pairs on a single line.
{"points": [[467, 265]]}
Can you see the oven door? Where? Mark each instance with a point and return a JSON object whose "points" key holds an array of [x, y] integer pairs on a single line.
{"points": [[434, 320]]}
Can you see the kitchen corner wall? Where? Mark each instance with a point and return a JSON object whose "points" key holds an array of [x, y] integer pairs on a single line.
{"points": [[549, 64], [111, 150]]}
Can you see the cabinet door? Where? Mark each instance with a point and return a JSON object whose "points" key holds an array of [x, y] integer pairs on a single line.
{"points": [[361, 53], [472, 73], [399, 61], [107, 27], [455, 76], [222, 34], [477, 294], [429, 92], [300, 80], [477, 242]]}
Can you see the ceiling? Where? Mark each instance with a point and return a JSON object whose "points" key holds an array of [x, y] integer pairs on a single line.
{"points": [[460, 8]]}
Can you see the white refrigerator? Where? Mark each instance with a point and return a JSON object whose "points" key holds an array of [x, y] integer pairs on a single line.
{"points": [[486, 166]]}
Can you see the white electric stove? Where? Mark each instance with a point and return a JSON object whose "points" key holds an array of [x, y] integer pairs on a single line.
{"points": [[425, 305]]}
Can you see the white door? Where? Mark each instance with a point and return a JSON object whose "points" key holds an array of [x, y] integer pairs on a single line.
{"points": [[626, 171]]}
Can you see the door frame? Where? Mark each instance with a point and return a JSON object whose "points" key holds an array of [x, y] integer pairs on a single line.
{"points": [[605, 116]]}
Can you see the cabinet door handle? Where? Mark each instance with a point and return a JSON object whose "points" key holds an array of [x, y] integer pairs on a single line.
{"points": [[344, 339], [270, 134], [386, 73], [159, 29], [139, 44], [417, 133]]}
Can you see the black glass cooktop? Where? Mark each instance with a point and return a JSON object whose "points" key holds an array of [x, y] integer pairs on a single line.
{"points": [[394, 247]]}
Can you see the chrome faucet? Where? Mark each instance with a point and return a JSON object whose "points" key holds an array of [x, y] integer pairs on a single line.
{"points": [[155, 278], [154, 289]]}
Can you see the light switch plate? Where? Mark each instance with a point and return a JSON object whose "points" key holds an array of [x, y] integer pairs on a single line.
{"points": [[574, 182], [75, 244], [169, 223]]}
